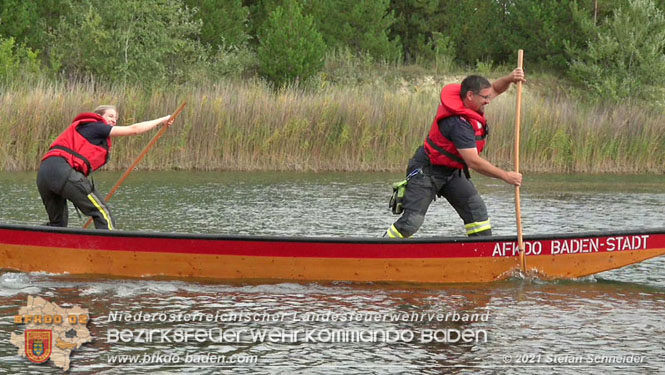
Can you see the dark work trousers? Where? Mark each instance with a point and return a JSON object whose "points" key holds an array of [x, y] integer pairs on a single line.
{"points": [[423, 188], [58, 182]]}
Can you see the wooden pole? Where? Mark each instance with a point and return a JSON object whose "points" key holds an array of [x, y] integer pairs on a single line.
{"points": [[140, 157], [518, 211]]}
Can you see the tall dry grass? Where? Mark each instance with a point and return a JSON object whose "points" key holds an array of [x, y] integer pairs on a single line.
{"points": [[249, 126], [559, 135]]}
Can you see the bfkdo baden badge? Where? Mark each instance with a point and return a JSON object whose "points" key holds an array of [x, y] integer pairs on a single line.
{"points": [[51, 332], [38, 344]]}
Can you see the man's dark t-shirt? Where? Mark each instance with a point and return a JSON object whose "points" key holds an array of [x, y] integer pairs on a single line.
{"points": [[457, 130]]}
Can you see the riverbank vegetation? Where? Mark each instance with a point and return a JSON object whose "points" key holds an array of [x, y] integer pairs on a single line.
{"points": [[323, 92]]}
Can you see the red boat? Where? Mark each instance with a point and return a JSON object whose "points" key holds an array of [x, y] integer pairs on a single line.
{"points": [[248, 258]]}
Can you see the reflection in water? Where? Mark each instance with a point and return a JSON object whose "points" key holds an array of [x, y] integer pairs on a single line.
{"points": [[576, 318], [617, 313], [346, 205]]}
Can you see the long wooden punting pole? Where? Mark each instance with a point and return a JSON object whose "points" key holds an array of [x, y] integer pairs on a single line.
{"points": [[518, 211], [140, 157]]}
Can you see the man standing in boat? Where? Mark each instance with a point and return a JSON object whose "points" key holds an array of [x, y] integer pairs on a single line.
{"points": [[81, 149], [441, 166]]}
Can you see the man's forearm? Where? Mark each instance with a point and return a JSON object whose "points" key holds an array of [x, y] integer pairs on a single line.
{"points": [[483, 166], [502, 84]]}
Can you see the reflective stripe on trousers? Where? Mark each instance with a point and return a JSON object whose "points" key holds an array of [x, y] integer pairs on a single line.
{"points": [[393, 232], [101, 207], [477, 227]]}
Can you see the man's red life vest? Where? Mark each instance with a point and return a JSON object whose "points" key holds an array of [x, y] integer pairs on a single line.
{"points": [[441, 150], [77, 150]]}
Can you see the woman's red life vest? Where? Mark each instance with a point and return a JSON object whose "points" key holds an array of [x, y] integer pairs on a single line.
{"points": [[77, 150], [441, 150]]}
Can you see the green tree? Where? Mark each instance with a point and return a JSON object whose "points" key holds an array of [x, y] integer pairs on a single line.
{"points": [[128, 40], [259, 11], [549, 28], [28, 22], [16, 18], [362, 26], [418, 24], [443, 49], [626, 56], [224, 23], [476, 29], [290, 47], [16, 61]]}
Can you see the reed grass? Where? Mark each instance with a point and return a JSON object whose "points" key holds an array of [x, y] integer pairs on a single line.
{"points": [[365, 127]]}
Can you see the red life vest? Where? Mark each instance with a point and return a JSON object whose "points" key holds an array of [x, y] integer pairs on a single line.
{"points": [[441, 150], [77, 150]]}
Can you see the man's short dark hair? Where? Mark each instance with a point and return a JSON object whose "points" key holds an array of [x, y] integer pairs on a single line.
{"points": [[474, 84]]}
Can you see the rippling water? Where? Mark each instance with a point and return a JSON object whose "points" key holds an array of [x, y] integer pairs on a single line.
{"points": [[597, 324]]}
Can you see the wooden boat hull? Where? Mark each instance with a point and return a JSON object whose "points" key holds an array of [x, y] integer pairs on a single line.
{"points": [[432, 260]]}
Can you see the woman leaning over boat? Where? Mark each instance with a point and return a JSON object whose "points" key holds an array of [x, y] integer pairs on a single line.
{"points": [[81, 149]]}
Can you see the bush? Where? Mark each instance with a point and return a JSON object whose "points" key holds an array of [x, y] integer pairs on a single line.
{"points": [[625, 57], [290, 47], [16, 62], [361, 26], [444, 51], [224, 23], [128, 40]]}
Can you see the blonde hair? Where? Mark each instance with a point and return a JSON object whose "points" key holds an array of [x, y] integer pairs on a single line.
{"points": [[101, 110]]}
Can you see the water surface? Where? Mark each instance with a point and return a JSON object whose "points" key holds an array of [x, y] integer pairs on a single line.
{"points": [[592, 325]]}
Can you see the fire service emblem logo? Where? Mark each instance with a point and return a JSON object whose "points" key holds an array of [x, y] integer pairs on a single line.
{"points": [[38, 345]]}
